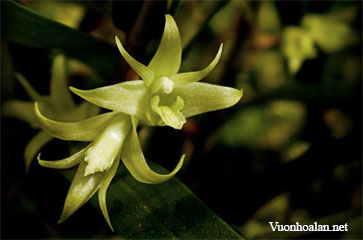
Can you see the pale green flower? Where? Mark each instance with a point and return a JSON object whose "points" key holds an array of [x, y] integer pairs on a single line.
{"points": [[58, 105], [113, 137], [297, 45], [164, 96]]}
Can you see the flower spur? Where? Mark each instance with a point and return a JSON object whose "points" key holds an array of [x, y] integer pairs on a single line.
{"points": [[164, 96]]}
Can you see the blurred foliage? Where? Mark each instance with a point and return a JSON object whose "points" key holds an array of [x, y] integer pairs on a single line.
{"points": [[290, 151]]}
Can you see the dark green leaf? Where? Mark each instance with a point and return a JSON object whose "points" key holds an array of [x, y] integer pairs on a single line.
{"points": [[162, 211], [24, 26]]}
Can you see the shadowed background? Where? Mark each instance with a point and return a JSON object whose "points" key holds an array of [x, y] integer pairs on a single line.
{"points": [[290, 151]]}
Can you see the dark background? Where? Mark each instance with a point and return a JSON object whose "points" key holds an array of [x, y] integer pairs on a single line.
{"points": [[291, 150]]}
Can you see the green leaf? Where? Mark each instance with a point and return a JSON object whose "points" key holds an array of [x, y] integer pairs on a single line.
{"points": [[24, 26], [161, 211]]}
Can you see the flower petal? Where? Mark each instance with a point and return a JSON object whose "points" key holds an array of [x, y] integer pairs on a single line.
{"points": [[167, 59], [103, 189], [33, 147], [144, 72], [104, 150], [135, 162], [64, 163], [85, 130], [128, 97], [203, 97], [81, 190], [34, 95], [21, 110], [59, 93], [189, 77]]}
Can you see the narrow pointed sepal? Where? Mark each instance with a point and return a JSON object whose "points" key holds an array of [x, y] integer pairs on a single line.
{"points": [[103, 190], [33, 94], [59, 92], [167, 59], [135, 162], [21, 110], [189, 77], [33, 147], [81, 190], [128, 97], [63, 163], [85, 130], [143, 71], [203, 97]]}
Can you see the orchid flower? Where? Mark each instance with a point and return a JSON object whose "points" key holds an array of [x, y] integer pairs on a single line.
{"points": [[113, 137], [58, 104], [163, 96]]}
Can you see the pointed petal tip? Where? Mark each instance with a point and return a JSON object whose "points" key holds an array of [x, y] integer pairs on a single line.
{"points": [[237, 97], [63, 217], [168, 16], [38, 157], [105, 213], [118, 43], [41, 162], [240, 94], [190, 77], [180, 163], [74, 90], [77, 91], [27, 86], [220, 48], [110, 225], [143, 71]]}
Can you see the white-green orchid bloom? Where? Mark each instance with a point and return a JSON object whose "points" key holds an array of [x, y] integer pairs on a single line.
{"points": [[164, 97], [113, 137], [58, 105]]}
